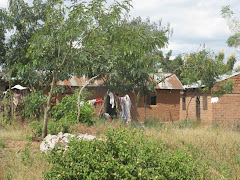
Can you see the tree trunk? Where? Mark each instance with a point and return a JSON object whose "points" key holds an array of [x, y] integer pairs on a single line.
{"points": [[145, 108], [103, 104], [135, 114], [5, 108], [48, 106], [11, 98], [79, 96]]}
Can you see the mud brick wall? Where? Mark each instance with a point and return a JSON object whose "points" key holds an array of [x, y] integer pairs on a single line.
{"points": [[190, 101], [167, 106]]}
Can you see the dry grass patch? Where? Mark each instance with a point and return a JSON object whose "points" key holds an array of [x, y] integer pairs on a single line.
{"points": [[217, 151], [19, 158], [13, 132], [22, 165]]}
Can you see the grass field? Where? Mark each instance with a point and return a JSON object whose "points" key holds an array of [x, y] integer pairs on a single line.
{"points": [[215, 149]]}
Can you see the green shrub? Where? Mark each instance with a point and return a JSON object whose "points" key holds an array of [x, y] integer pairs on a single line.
{"points": [[67, 109], [124, 155], [36, 128], [63, 125], [33, 104]]}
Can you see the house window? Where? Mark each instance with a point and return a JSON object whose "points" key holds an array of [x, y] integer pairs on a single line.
{"points": [[205, 102], [153, 100], [183, 103]]}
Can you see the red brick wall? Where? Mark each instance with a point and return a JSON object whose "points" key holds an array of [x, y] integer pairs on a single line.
{"points": [[227, 109], [236, 80], [166, 109], [190, 112]]}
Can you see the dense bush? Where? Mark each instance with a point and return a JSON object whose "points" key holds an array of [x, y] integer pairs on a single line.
{"points": [[33, 104], [124, 155], [63, 125], [67, 109]]}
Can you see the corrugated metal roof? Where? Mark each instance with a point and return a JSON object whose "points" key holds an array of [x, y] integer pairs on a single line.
{"points": [[167, 81], [221, 78], [163, 80], [227, 76], [193, 86], [75, 81]]}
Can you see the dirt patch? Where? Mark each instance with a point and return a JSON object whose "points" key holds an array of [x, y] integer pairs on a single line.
{"points": [[96, 130], [17, 146]]}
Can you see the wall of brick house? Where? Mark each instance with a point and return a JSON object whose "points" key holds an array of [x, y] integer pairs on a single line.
{"points": [[167, 106], [227, 109], [166, 109], [190, 100], [236, 80]]}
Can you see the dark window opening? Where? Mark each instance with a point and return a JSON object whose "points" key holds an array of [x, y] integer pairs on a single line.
{"points": [[153, 100], [205, 107], [183, 103]]}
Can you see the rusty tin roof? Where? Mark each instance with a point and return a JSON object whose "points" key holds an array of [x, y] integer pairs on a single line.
{"points": [[167, 81], [75, 81], [162, 80]]}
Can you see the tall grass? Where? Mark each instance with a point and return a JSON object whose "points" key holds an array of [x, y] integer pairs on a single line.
{"points": [[20, 159], [216, 150]]}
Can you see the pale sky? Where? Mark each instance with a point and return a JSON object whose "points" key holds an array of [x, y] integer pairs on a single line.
{"points": [[194, 22]]}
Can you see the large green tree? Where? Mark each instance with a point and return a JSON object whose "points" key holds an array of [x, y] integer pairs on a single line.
{"points": [[19, 20], [202, 67], [72, 39], [134, 62]]}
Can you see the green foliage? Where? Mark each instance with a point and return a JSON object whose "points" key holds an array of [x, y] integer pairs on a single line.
{"points": [[172, 66], [25, 155], [36, 128], [2, 144], [67, 110], [124, 155], [234, 26], [54, 127], [224, 88], [203, 67], [63, 125], [230, 63], [134, 60], [234, 40], [33, 104]]}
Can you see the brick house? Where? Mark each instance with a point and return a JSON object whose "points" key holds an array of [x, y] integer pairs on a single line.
{"points": [[195, 104], [163, 104]]}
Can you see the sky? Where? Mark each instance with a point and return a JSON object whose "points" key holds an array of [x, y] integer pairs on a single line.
{"points": [[194, 22]]}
